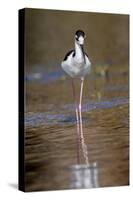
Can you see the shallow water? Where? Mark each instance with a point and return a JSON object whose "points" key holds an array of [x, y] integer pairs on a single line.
{"points": [[51, 140]]}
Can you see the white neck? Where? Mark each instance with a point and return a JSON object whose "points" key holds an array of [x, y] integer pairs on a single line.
{"points": [[78, 52]]}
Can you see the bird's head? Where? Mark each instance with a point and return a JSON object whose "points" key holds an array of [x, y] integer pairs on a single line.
{"points": [[80, 37]]}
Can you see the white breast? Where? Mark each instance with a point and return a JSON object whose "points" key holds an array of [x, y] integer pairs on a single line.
{"points": [[76, 67]]}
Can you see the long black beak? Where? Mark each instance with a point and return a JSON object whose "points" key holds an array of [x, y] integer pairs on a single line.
{"points": [[82, 48]]}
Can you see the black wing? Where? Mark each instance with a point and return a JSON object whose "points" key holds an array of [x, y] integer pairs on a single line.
{"points": [[66, 56]]}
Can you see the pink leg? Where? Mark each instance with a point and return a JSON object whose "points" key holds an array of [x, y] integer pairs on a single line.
{"points": [[77, 122], [84, 147]]}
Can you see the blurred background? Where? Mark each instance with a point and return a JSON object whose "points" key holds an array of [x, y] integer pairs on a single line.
{"points": [[50, 125], [50, 34]]}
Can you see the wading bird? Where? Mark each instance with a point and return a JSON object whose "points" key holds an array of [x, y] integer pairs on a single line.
{"points": [[77, 65]]}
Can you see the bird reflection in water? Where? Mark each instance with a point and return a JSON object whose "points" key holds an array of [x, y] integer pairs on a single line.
{"points": [[84, 175]]}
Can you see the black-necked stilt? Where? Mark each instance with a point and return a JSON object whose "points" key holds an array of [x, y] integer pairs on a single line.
{"points": [[77, 65]]}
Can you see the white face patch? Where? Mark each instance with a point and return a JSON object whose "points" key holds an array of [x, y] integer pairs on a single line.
{"points": [[81, 40]]}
